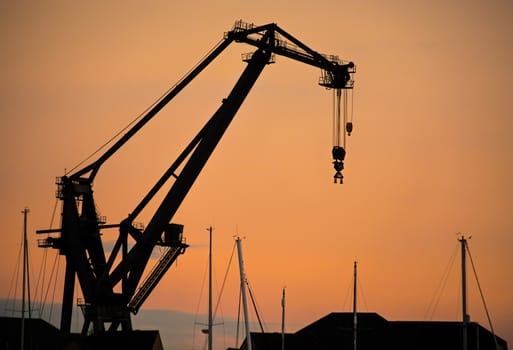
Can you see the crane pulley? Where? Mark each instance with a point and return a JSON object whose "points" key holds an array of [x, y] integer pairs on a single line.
{"points": [[111, 292]]}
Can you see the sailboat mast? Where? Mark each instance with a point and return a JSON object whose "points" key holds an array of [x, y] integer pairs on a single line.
{"points": [[283, 319], [210, 290], [26, 277], [465, 316], [243, 292], [355, 316]]}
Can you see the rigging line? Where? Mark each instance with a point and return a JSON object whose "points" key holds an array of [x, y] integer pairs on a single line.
{"points": [[201, 293], [30, 267], [482, 295], [218, 301], [14, 280], [43, 298], [41, 277], [224, 280], [54, 288], [50, 280], [348, 292], [253, 301], [360, 289], [435, 299], [220, 293], [143, 113], [459, 296]]}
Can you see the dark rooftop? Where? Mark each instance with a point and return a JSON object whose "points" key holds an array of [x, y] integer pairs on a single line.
{"points": [[335, 331], [40, 334]]}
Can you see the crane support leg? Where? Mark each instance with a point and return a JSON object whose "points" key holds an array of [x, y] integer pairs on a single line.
{"points": [[67, 298]]}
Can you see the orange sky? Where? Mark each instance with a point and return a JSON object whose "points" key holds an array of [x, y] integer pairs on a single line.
{"points": [[430, 155]]}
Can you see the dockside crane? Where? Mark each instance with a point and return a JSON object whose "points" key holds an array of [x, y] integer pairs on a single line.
{"points": [[111, 283]]}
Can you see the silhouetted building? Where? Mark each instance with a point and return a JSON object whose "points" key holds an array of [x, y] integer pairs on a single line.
{"points": [[335, 332], [41, 335]]}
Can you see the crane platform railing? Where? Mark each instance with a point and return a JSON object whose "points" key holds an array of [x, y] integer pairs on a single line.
{"points": [[165, 262]]}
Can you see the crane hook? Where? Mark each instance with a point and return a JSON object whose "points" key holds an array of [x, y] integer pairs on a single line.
{"points": [[339, 153]]}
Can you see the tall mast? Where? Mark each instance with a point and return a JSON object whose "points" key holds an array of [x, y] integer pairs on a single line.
{"points": [[283, 319], [26, 278], [243, 292], [355, 316], [465, 316], [210, 290]]}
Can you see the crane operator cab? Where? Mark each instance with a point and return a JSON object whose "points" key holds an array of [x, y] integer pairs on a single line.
{"points": [[172, 236]]}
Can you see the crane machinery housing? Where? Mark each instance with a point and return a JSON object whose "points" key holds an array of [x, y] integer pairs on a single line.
{"points": [[111, 284]]}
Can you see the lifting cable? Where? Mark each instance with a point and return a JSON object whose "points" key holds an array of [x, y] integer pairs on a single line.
{"points": [[342, 116], [336, 117], [342, 125]]}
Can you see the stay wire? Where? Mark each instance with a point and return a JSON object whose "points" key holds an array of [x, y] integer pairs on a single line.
{"points": [[255, 306], [57, 259], [43, 272], [199, 304], [348, 292], [364, 299], [435, 299], [14, 281], [224, 280], [221, 291], [482, 295], [40, 283]]}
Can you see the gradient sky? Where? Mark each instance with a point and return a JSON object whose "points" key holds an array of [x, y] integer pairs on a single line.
{"points": [[430, 156]]}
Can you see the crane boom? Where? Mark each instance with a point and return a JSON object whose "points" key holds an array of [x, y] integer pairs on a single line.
{"points": [[80, 232]]}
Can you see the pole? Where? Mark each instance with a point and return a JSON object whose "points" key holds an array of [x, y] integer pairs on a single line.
{"points": [[210, 291], [243, 293], [283, 319], [355, 318], [25, 277], [465, 317]]}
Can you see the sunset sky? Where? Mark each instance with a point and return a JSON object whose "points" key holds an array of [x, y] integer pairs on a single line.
{"points": [[430, 157]]}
